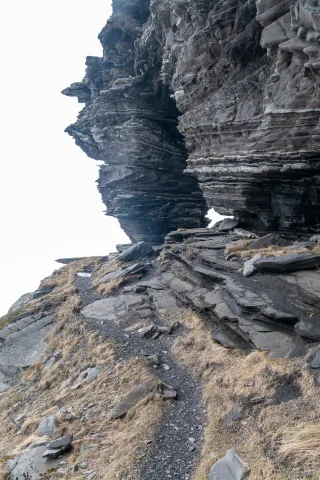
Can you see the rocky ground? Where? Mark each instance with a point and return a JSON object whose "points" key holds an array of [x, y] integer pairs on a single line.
{"points": [[174, 356]]}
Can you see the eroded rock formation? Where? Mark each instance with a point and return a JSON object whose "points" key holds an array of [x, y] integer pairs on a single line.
{"points": [[244, 76]]}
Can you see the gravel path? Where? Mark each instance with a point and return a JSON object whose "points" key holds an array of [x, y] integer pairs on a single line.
{"points": [[179, 437]]}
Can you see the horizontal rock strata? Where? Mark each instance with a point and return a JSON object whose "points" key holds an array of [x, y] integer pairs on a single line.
{"points": [[245, 78]]}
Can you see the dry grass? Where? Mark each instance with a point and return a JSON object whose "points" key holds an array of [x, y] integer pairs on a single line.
{"points": [[302, 444], [243, 250], [230, 377], [101, 270], [123, 444], [239, 247]]}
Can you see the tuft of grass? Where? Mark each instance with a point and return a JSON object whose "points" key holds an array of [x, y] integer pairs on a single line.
{"points": [[101, 270], [302, 444], [239, 247], [109, 287], [14, 316]]}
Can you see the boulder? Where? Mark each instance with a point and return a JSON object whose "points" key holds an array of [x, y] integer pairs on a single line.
{"points": [[229, 338], [228, 224], [30, 464], [249, 267], [139, 250], [47, 425], [288, 263], [309, 327], [87, 376], [230, 467], [58, 447], [313, 363]]}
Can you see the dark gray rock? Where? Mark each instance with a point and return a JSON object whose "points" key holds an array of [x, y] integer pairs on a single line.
{"points": [[236, 415], [23, 300], [288, 263], [228, 224], [58, 447], [249, 267], [139, 250], [313, 362], [287, 392], [268, 241], [87, 376], [31, 465], [309, 327], [135, 269], [230, 467], [247, 107], [47, 426], [122, 247], [23, 342], [229, 338], [278, 343], [67, 261]]}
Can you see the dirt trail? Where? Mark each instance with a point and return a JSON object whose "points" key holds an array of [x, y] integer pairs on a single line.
{"points": [[179, 437]]}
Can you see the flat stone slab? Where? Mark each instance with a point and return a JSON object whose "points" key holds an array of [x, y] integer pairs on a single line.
{"points": [[228, 224], [268, 241], [216, 243], [280, 344], [31, 465], [24, 345], [58, 447], [230, 467], [288, 263], [139, 250], [123, 308]]}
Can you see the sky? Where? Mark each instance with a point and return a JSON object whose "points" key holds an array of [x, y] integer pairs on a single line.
{"points": [[49, 203]]}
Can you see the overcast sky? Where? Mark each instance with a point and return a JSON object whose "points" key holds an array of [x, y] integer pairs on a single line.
{"points": [[49, 204]]}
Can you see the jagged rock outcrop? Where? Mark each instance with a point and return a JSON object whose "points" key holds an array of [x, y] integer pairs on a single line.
{"points": [[244, 75], [130, 122]]}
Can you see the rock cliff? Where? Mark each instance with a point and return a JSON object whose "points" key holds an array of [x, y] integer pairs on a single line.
{"points": [[193, 352], [239, 79]]}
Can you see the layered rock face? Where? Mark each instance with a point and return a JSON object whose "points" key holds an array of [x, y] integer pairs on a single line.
{"points": [[130, 122], [250, 114], [244, 76]]}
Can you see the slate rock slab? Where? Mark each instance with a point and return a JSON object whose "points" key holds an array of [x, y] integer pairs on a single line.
{"points": [[58, 447], [47, 425], [31, 464], [88, 376], [280, 344], [287, 392], [309, 327], [230, 467], [24, 341], [123, 273], [229, 339], [139, 250], [268, 241], [228, 224], [288, 263]]}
